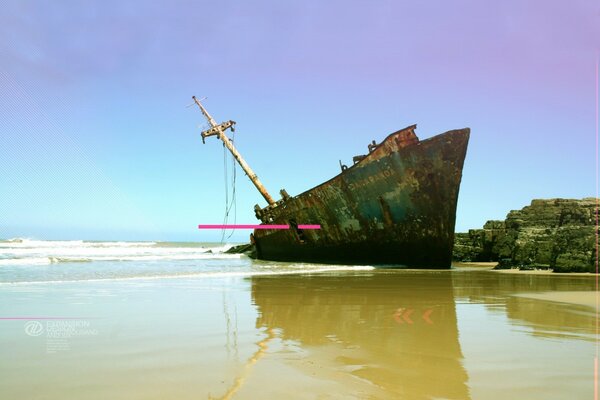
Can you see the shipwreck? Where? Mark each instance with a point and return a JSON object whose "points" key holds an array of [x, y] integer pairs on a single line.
{"points": [[395, 205]]}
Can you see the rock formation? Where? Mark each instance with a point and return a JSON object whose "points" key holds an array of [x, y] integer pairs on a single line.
{"points": [[248, 249], [559, 234]]}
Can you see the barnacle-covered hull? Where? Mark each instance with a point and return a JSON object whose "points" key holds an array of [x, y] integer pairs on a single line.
{"points": [[397, 205]]}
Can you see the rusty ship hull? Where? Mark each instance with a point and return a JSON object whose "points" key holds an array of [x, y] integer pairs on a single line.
{"points": [[395, 206]]}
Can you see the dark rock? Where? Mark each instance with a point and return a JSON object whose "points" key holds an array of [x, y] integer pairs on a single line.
{"points": [[248, 249], [504, 263], [555, 233], [479, 244]]}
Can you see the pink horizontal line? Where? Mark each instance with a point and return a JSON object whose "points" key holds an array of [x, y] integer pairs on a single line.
{"points": [[34, 318], [243, 227], [257, 227], [309, 226]]}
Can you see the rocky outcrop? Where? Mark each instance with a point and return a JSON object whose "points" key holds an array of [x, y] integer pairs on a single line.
{"points": [[557, 233], [479, 244]]}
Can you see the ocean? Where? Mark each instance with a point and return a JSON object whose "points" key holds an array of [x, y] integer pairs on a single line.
{"points": [[24, 261]]}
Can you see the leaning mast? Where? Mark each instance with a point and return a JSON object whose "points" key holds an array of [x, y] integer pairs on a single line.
{"points": [[219, 131]]}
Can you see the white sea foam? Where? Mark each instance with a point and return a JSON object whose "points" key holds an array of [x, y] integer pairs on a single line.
{"points": [[80, 261], [317, 269], [57, 260], [22, 242], [43, 252], [100, 251], [32, 243], [25, 261]]}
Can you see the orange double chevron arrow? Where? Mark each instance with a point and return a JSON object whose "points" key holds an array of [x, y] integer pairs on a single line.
{"points": [[402, 315]]}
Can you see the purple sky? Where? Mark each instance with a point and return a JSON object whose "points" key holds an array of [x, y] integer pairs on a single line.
{"points": [[98, 142]]}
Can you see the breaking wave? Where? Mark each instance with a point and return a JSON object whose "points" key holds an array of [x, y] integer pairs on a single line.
{"points": [[29, 261], [21, 251], [32, 243]]}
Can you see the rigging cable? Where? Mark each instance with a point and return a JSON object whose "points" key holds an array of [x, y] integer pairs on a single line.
{"points": [[233, 203], [226, 192], [233, 193]]}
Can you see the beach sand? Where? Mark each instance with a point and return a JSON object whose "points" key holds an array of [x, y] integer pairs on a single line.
{"points": [[587, 299], [461, 334], [488, 265]]}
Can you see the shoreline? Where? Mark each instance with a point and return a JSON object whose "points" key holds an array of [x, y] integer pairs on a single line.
{"points": [[490, 266]]}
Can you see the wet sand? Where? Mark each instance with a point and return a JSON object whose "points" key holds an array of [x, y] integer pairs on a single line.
{"points": [[384, 334], [588, 299], [542, 272], [492, 264], [489, 265]]}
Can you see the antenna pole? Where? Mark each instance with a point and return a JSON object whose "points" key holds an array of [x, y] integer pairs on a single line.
{"points": [[219, 131]]}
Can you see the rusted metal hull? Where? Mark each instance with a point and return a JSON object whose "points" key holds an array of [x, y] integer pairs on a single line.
{"points": [[395, 206]]}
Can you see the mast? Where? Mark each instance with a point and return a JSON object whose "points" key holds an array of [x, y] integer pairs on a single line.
{"points": [[219, 131]]}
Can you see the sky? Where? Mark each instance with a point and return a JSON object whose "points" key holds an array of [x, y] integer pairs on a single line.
{"points": [[99, 140]]}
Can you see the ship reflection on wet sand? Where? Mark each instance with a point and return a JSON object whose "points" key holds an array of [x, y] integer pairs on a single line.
{"points": [[437, 334], [396, 332]]}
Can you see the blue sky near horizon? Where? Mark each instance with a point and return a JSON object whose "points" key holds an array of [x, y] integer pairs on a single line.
{"points": [[98, 141]]}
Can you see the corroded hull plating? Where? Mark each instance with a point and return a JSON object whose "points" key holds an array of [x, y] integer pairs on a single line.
{"points": [[396, 206]]}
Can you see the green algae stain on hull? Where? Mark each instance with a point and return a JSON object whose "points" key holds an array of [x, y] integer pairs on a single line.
{"points": [[397, 205]]}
